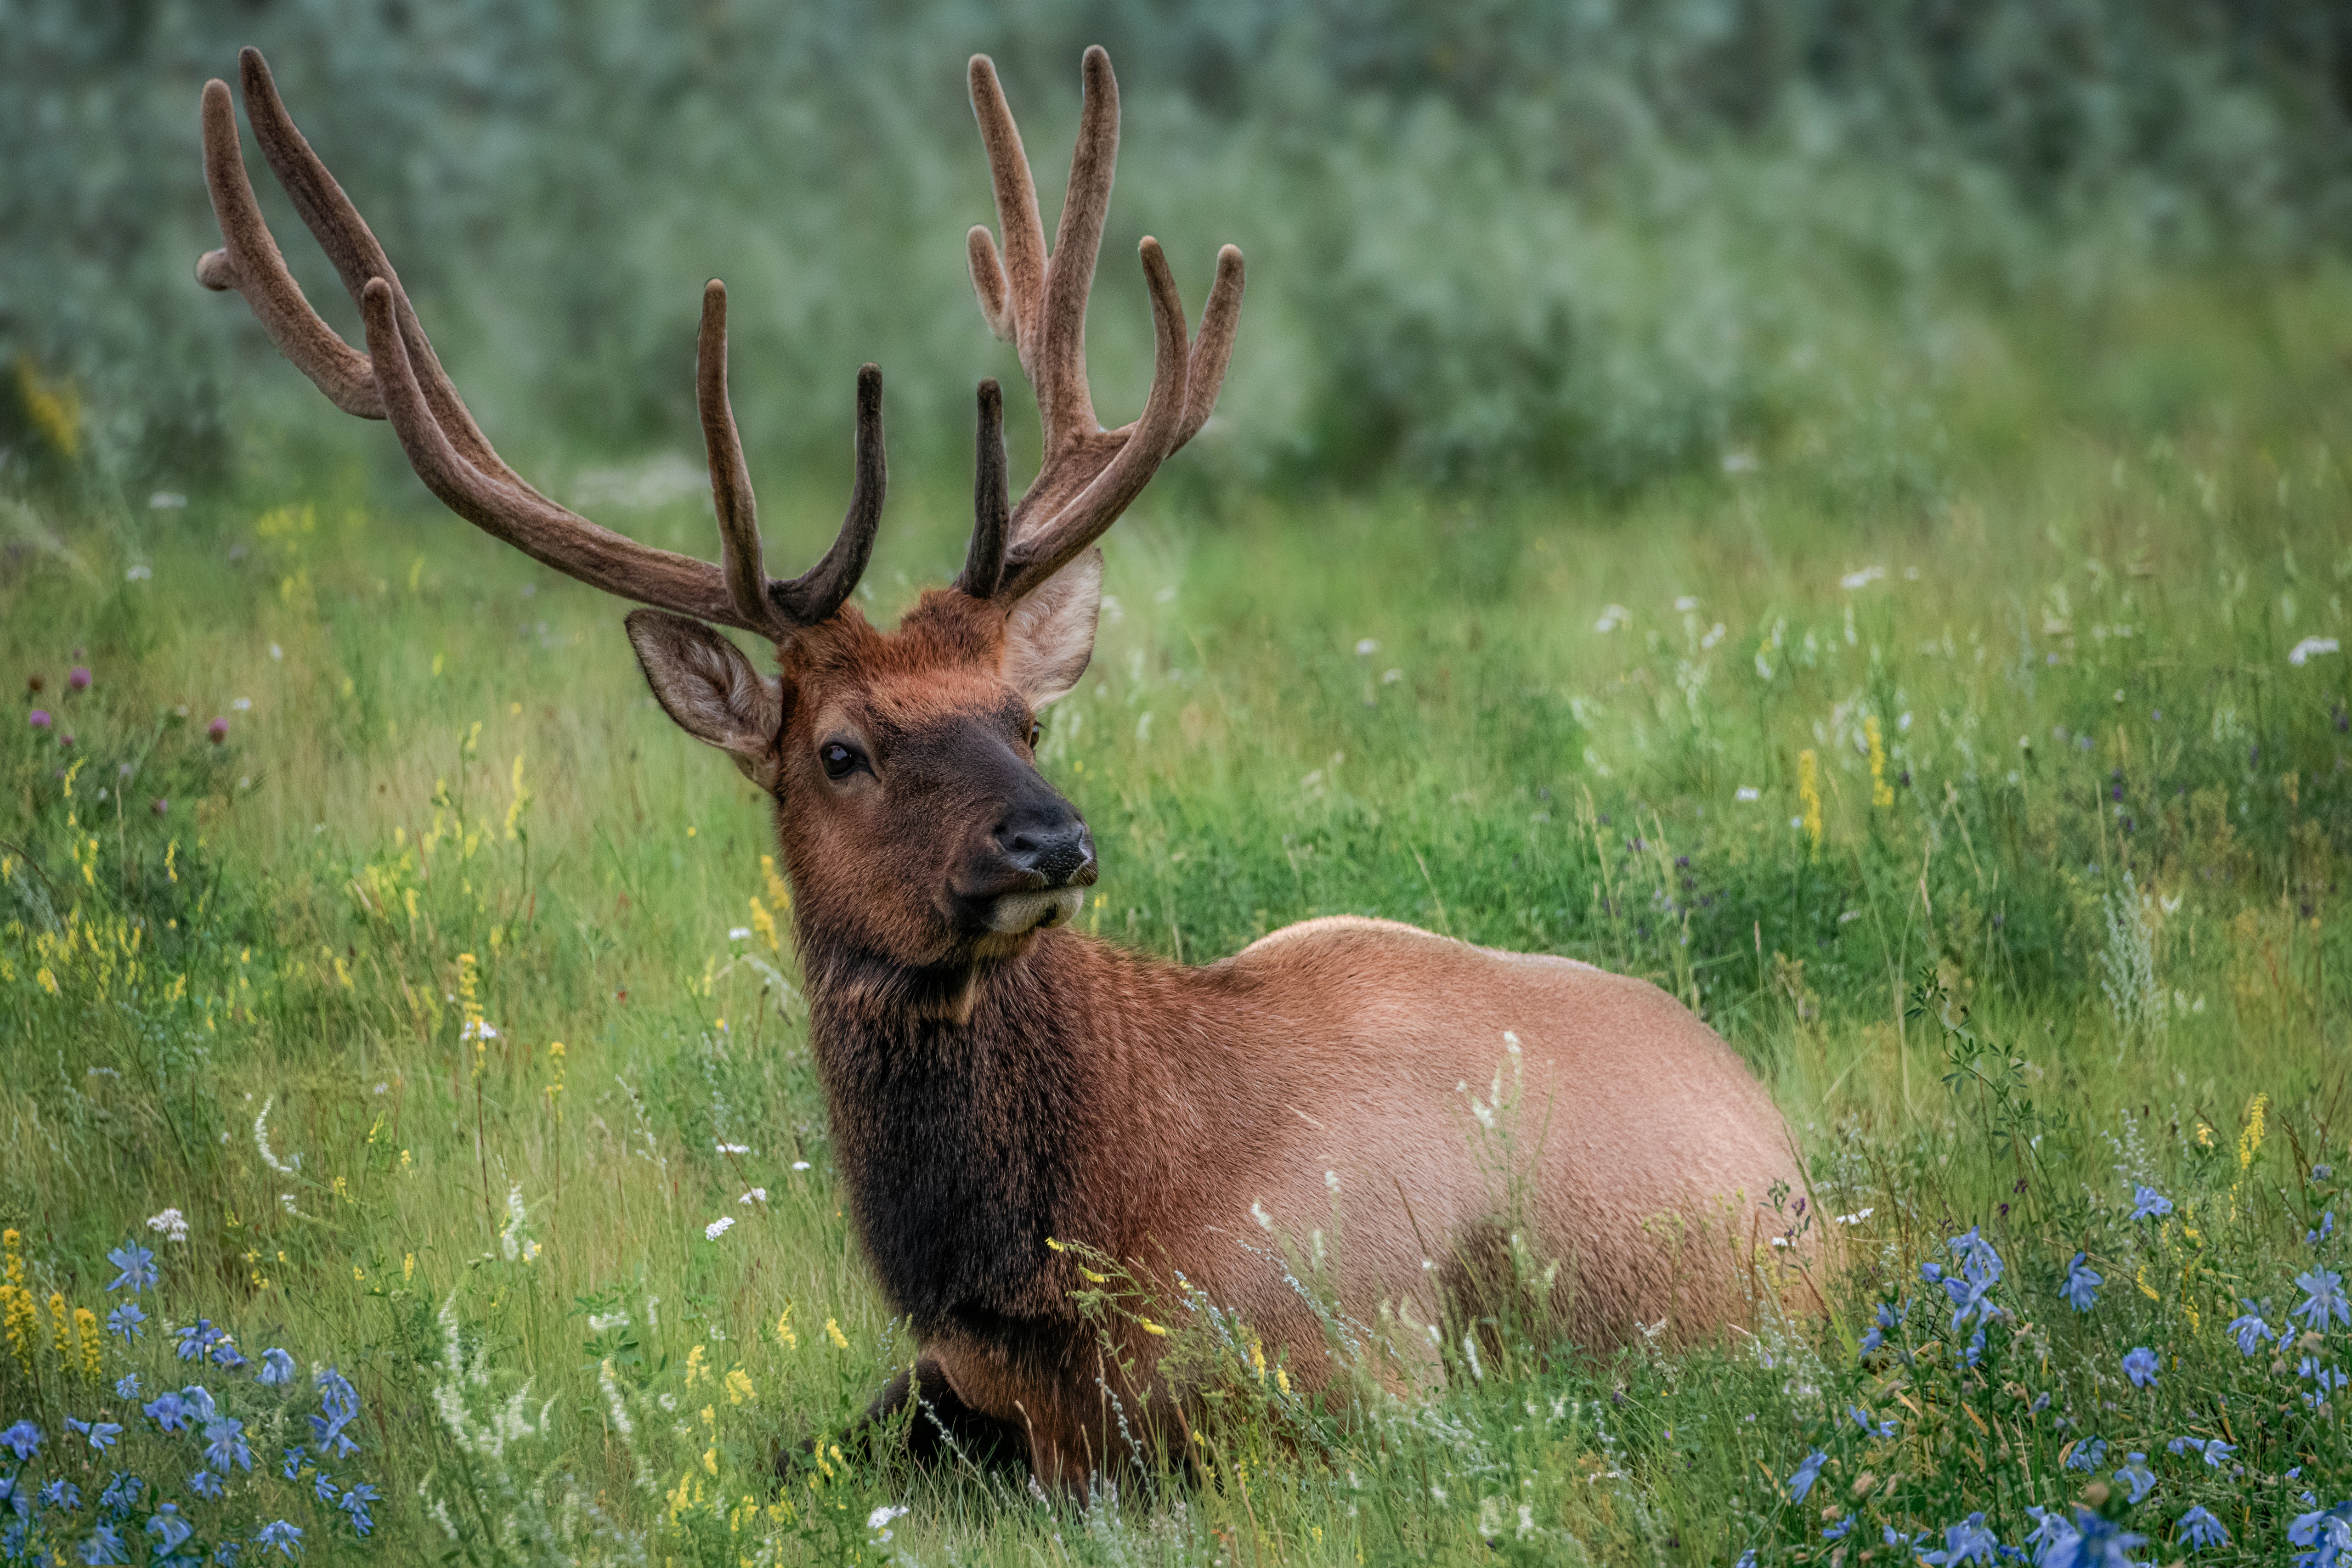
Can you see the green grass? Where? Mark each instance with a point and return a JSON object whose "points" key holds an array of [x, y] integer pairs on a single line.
{"points": [[2084, 938]]}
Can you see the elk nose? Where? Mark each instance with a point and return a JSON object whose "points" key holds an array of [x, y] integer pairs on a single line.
{"points": [[1055, 849]]}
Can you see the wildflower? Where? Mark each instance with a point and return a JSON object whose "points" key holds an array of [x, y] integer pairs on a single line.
{"points": [[293, 1461], [2137, 1479], [13, 1496], [167, 1410], [2323, 1297], [2199, 1529], [200, 1403], [2304, 650], [2088, 1455], [169, 1529], [340, 1403], [1809, 795], [879, 1519], [355, 1503], [77, 678], [800, 1164], [61, 1493], [322, 1487], [217, 730], [2139, 1365], [102, 1435], [127, 1386], [121, 1494], [276, 1367], [22, 1439], [39, 718], [2328, 1531], [205, 1484], [2325, 1229], [757, 1194], [1838, 1531], [2090, 1540], [170, 1223], [2249, 1331], [138, 1266], [1981, 1271], [2217, 1452], [1887, 1317], [1802, 1480], [2083, 1282], [1747, 793], [103, 1545], [1967, 1542], [127, 1320], [226, 1353], [718, 1228], [2149, 1203], [1861, 1419], [197, 1339], [225, 1444], [287, 1538]]}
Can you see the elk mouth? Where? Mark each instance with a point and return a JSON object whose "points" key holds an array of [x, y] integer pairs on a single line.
{"points": [[1019, 914]]}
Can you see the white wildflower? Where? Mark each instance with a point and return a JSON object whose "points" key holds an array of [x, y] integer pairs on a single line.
{"points": [[513, 1241], [757, 1194], [478, 1032], [725, 1148], [243, 705], [166, 501], [2304, 650], [1863, 579], [1857, 1217], [718, 1228], [739, 934], [1613, 617], [800, 1164], [170, 1223], [1746, 792], [605, 1322], [261, 1141], [140, 573], [1367, 648], [881, 1517]]}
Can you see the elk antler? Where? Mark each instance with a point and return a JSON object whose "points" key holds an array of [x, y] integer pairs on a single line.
{"points": [[400, 378], [1037, 302]]}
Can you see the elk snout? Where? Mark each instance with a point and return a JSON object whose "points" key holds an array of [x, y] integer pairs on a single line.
{"points": [[1061, 852]]}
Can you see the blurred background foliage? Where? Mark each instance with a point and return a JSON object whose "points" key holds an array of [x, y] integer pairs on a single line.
{"points": [[1495, 241]]}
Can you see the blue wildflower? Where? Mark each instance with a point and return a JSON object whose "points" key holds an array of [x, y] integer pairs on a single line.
{"points": [[2249, 1331], [205, 1484], [2199, 1529], [127, 1320], [226, 1353], [2088, 1455], [2327, 1228], [1802, 1480], [1861, 1419], [341, 1404], [276, 1367], [1839, 1530], [2149, 1203], [121, 1494], [2328, 1533], [2324, 1297], [138, 1266], [2140, 1366], [1967, 1542], [322, 1487], [287, 1538], [22, 1439], [61, 1493], [103, 1545], [1747, 1559], [227, 1552], [293, 1461], [2217, 1452], [2083, 1282], [168, 1410], [1971, 1288], [169, 1529], [2137, 1479], [2096, 1541], [197, 1339], [199, 1401], [1888, 1317], [1931, 1272], [355, 1503], [127, 1387], [1971, 1353], [2325, 1380], [101, 1434], [225, 1444], [17, 1495]]}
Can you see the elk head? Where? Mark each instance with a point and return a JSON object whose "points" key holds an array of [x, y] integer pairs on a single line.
{"points": [[902, 763]]}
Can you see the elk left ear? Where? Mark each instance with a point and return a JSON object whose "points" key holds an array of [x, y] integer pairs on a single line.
{"points": [[704, 683], [1050, 635]]}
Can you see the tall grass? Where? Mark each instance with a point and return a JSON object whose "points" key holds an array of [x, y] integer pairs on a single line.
{"points": [[444, 990]]}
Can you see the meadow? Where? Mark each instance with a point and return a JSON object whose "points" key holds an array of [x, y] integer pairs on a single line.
{"points": [[404, 1046]]}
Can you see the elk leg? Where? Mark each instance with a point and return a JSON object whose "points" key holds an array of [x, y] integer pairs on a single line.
{"points": [[942, 1425]]}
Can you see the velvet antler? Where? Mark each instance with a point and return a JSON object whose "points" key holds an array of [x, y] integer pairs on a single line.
{"points": [[400, 378], [1038, 303]]}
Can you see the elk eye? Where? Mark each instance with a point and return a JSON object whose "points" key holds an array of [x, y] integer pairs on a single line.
{"points": [[1036, 733], [839, 758]]}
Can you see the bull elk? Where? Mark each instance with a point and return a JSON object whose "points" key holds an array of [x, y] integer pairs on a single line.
{"points": [[1000, 1083]]}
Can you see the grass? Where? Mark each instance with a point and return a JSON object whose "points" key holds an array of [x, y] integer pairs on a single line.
{"points": [[1988, 816]]}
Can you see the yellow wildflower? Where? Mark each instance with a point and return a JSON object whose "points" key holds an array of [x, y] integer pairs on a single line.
{"points": [[1808, 794], [695, 1369], [784, 1334], [1881, 793], [832, 1332]]}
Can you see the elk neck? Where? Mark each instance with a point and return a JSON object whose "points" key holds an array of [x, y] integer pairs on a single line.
{"points": [[978, 1113]]}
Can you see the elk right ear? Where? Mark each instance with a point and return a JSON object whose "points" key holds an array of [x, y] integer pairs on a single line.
{"points": [[704, 683]]}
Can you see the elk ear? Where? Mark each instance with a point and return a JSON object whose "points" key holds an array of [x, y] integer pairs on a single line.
{"points": [[706, 684], [1050, 635]]}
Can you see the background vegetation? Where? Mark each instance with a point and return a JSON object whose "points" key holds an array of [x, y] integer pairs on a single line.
{"points": [[1838, 511]]}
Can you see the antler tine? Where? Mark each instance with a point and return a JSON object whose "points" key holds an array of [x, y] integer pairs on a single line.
{"points": [[817, 593], [251, 264], [740, 557], [984, 565], [357, 256], [1221, 321], [525, 519], [1058, 542], [1077, 239], [1011, 291]]}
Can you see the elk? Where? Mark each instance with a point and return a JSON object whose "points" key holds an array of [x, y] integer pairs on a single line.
{"points": [[1001, 1086]]}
